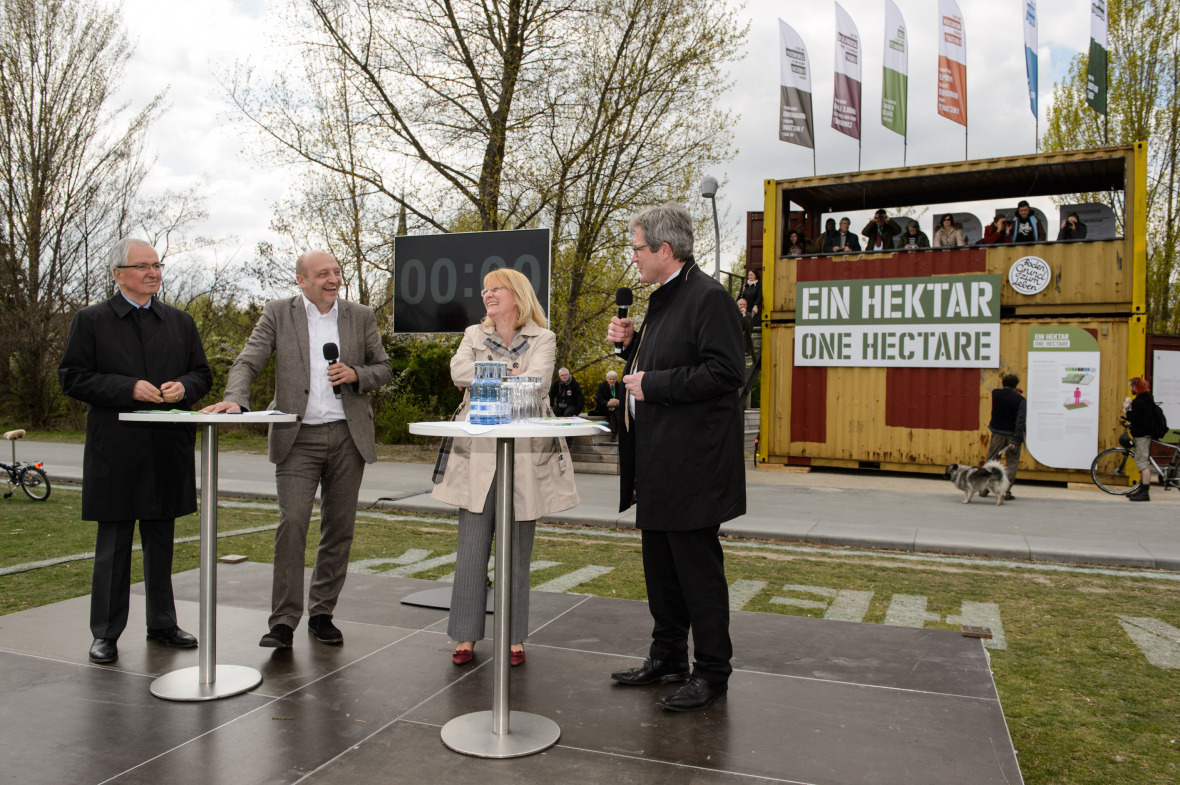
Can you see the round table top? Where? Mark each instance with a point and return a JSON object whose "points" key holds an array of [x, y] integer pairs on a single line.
{"points": [[522, 430], [196, 418]]}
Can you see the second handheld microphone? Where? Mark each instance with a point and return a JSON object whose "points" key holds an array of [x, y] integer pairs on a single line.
{"points": [[332, 354]]}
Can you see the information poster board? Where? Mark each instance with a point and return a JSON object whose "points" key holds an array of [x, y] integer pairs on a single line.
{"points": [[1165, 383], [1061, 430]]}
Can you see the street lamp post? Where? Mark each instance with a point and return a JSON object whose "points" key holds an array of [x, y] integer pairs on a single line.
{"points": [[709, 191]]}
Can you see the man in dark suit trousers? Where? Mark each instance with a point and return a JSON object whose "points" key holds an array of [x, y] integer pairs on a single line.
{"points": [[133, 352], [680, 455], [327, 447]]}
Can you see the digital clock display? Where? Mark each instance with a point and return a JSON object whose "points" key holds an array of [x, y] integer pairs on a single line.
{"points": [[438, 278]]}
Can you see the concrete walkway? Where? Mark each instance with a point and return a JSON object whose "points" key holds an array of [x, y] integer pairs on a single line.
{"points": [[863, 509]]}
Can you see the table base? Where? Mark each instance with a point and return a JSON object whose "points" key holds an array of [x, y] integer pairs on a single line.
{"points": [[439, 599], [185, 684], [472, 734]]}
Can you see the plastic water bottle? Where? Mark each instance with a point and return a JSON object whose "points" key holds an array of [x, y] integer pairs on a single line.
{"points": [[478, 410], [495, 385]]}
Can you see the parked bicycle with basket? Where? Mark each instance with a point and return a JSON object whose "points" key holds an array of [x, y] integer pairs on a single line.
{"points": [[29, 476], [1146, 427]]}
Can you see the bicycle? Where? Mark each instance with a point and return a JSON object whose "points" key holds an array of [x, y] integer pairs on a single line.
{"points": [[29, 476], [1109, 469]]}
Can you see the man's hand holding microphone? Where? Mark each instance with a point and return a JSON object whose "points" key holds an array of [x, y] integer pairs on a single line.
{"points": [[621, 332]]}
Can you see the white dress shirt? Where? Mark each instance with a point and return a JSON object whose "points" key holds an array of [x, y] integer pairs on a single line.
{"points": [[322, 404], [635, 367]]}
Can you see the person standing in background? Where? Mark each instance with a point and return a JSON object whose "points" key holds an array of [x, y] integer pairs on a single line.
{"points": [[1009, 410]]}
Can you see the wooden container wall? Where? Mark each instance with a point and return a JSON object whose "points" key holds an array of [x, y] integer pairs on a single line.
{"points": [[856, 405], [1095, 274]]}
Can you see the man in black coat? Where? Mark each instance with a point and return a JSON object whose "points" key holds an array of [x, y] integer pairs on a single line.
{"points": [[1009, 410], [565, 395], [680, 455], [134, 352], [607, 401]]}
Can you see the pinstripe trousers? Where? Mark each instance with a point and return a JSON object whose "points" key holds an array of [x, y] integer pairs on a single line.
{"points": [[469, 593]]}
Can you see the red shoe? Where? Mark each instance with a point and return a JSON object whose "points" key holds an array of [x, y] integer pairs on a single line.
{"points": [[462, 656], [516, 657]]}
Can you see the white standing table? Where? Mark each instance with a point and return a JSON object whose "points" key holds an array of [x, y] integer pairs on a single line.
{"points": [[501, 733], [208, 680]]}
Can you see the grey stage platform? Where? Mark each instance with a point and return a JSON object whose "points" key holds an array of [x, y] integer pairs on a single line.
{"points": [[810, 701]]}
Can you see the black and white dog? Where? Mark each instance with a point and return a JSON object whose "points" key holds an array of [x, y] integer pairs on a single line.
{"points": [[972, 479]]}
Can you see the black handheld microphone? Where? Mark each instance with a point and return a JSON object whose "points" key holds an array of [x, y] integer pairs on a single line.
{"points": [[332, 354], [623, 301]]}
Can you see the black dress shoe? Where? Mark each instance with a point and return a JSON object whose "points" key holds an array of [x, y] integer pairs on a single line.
{"points": [[175, 637], [697, 694], [280, 637], [104, 650], [324, 630], [651, 671]]}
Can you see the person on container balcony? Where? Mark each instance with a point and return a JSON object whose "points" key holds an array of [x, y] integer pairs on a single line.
{"points": [[1025, 226], [948, 234], [880, 231], [821, 242], [796, 243], [844, 241], [914, 238], [999, 231], [1072, 228]]}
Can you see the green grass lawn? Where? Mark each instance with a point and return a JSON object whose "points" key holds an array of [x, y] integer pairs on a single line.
{"points": [[1083, 704]]}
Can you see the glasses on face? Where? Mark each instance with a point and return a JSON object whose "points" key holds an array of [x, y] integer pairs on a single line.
{"points": [[492, 290], [638, 248], [141, 268]]}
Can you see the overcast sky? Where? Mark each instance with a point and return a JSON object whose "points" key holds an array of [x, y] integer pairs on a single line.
{"points": [[184, 45]]}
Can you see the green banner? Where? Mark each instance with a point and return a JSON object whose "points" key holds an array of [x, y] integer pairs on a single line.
{"points": [[893, 101]]}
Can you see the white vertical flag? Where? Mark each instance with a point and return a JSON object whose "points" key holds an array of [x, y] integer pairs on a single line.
{"points": [[795, 119], [846, 100], [1096, 73], [895, 74], [952, 63], [1030, 51]]}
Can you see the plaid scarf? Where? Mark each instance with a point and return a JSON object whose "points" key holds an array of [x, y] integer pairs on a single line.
{"points": [[514, 350]]}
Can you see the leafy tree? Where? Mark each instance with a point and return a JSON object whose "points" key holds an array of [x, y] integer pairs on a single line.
{"points": [[1143, 104], [70, 165]]}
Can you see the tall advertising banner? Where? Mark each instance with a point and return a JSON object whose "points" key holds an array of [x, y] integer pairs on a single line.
{"points": [[1063, 403], [846, 101], [1030, 51], [795, 121], [952, 63], [895, 79], [1096, 73]]}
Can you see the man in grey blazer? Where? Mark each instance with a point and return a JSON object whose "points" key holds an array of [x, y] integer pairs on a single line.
{"points": [[327, 446]]}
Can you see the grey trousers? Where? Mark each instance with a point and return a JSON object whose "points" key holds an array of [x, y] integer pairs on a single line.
{"points": [[469, 593], [999, 442], [322, 456]]}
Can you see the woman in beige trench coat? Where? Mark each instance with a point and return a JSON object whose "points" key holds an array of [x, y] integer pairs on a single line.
{"points": [[513, 332]]}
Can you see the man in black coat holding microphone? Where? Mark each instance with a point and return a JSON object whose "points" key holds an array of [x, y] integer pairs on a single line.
{"points": [[680, 455]]}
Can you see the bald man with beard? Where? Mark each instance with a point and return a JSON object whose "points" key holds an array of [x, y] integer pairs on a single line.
{"points": [[329, 444]]}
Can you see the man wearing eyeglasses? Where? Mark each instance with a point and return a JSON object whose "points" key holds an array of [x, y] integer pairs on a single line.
{"points": [[680, 456], [327, 447], [128, 353]]}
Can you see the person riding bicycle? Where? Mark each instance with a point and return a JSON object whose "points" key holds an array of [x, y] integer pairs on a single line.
{"points": [[1140, 414]]}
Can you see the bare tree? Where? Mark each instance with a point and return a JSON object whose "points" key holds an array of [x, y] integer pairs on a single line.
{"points": [[70, 165]]}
